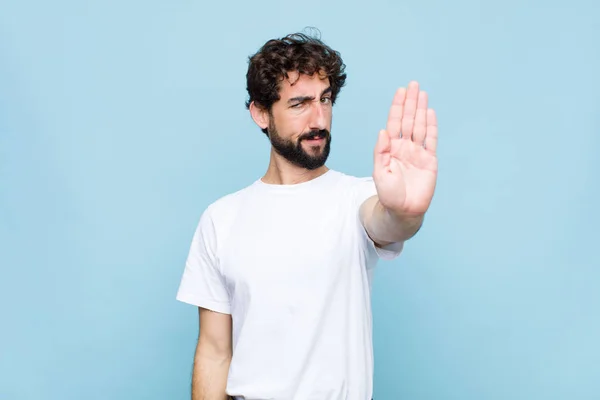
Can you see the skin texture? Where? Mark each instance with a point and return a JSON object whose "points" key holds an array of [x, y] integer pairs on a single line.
{"points": [[404, 170], [212, 357]]}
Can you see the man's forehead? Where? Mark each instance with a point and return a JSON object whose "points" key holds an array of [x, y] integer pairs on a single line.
{"points": [[297, 82]]}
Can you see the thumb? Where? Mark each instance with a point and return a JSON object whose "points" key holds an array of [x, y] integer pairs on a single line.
{"points": [[381, 154]]}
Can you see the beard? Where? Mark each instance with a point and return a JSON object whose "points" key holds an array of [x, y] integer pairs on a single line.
{"points": [[296, 154]]}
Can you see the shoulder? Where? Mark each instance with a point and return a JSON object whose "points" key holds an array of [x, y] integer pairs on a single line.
{"points": [[223, 210], [358, 188], [228, 203], [216, 218], [351, 181]]}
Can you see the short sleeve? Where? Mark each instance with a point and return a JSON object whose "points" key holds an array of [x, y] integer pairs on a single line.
{"points": [[202, 284], [364, 189]]}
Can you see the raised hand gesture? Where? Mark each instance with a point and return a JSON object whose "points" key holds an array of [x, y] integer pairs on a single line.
{"points": [[405, 162]]}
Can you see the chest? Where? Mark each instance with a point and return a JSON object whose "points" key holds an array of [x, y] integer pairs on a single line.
{"points": [[285, 249]]}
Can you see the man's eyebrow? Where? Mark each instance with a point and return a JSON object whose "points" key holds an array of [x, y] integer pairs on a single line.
{"points": [[300, 99]]}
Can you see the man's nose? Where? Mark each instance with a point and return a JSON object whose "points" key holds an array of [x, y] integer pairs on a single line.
{"points": [[318, 116]]}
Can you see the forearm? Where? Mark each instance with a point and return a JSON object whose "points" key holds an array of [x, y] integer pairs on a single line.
{"points": [[210, 374], [385, 226]]}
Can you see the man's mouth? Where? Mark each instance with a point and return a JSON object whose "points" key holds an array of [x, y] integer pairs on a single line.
{"points": [[315, 137]]}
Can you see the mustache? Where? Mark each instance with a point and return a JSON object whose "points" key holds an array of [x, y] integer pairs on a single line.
{"points": [[323, 133]]}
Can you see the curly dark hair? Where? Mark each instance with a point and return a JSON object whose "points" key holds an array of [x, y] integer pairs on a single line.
{"points": [[294, 52]]}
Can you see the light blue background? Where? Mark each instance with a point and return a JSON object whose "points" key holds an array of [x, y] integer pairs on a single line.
{"points": [[120, 121]]}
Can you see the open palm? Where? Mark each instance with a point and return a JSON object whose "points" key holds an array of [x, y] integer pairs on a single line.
{"points": [[405, 161]]}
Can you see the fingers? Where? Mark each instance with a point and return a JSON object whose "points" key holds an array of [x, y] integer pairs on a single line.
{"points": [[381, 154], [410, 110], [420, 125], [394, 121], [409, 117], [431, 137]]}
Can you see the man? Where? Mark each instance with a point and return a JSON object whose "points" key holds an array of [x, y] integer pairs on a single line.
{"points": [[281, 269]]}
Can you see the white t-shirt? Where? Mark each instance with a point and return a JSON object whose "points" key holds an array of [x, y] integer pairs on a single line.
{"points": [[292, 264]]}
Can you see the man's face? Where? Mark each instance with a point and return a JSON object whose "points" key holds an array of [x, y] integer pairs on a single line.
{"points": [[300, 121]]}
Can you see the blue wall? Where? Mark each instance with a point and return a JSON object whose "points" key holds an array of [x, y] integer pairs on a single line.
{"points": [[121, 121]]}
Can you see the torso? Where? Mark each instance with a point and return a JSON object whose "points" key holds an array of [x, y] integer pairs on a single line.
{"points": [[297, 266]]}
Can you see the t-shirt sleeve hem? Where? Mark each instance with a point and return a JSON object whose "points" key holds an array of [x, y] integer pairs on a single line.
{"points": [[389, 252], [212, 305]]}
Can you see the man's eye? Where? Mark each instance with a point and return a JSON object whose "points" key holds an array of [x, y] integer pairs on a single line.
{"points": [[326, 100]]}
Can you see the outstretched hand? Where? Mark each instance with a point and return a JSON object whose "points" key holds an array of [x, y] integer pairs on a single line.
{"points": [[405, 162]]}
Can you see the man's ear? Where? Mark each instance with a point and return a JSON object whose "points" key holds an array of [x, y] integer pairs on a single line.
{"points": [[260, 115]]}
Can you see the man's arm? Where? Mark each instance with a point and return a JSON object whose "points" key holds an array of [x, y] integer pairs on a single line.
{"points": [[385, 227], [212, 357]]}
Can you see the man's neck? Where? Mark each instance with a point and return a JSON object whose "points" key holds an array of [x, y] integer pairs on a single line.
{"points": [[282, 172]]}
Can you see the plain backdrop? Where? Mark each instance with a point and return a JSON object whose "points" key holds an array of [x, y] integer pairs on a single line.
{"points": [[120, 121]]}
